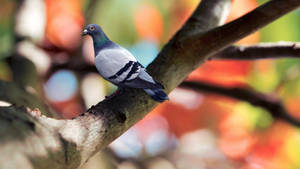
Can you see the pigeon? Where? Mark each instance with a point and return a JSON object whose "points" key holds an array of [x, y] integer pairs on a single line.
{"points": [[117, 65]]}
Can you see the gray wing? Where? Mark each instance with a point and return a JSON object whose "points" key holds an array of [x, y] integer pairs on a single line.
{"points": [[114, 64], [120, 67], [143, 80]]}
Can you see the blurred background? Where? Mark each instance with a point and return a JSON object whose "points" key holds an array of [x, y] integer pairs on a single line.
{"points": [[43, 52]]}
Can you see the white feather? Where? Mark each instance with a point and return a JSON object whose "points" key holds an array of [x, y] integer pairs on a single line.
{"points": [[109, 61]]}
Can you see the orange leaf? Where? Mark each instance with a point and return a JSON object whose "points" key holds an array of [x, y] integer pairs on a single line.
{"points": [[236, 143], [64, 23], [149, 22]]}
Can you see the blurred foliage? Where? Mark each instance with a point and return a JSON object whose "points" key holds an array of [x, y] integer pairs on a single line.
{"points": [[6, 30], [112, 21]]}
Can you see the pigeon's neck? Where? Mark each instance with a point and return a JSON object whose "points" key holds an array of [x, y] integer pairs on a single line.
{"points": [[99, 42]]}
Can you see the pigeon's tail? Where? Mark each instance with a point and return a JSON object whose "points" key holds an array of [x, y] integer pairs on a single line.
{"points": [[157, 94]]}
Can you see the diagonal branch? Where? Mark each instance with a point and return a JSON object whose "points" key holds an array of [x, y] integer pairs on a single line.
{"points": [[260, 51], [270, 103], [207, 15]]}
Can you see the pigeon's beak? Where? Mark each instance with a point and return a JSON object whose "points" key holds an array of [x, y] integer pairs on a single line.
{"points": [[85, 32]]}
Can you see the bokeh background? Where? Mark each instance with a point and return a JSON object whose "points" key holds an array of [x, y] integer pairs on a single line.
{"points": [[192, 130]]}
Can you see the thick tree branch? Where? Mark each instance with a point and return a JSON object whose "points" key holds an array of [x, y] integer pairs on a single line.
{"points": [[72, 142], [260, 51], [43, 142], [270, 103], [221, 37], [13, 94], [207, 15]]}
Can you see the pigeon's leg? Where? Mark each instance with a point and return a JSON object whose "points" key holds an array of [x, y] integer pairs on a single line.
{"points": [[118, 91]]}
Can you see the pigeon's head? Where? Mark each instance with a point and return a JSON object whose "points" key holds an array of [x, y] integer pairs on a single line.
{"points": [[94, 30]]}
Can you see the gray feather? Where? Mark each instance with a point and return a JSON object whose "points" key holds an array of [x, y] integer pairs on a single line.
{"points": [[143, 80]]}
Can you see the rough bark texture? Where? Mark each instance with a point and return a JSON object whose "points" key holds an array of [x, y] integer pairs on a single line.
{"points": [[36, 141], [12, 93]]}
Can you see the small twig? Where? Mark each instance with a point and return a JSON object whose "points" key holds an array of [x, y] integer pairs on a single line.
{"points": [[260, 51], [270, 103]]}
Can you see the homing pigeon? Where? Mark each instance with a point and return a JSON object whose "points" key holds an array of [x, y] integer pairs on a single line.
{"points": [[120, 67]]}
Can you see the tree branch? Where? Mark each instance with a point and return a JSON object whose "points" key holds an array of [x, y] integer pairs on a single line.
{"points": [[260, 51], [270, 103], [12, 93], [272, 50], [72, 142], [221, 37]]}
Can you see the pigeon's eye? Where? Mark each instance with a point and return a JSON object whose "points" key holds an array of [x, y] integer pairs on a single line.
{"points": [[92, 28]]}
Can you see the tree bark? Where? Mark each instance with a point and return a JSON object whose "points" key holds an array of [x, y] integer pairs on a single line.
{"points": [[260, 51]]}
